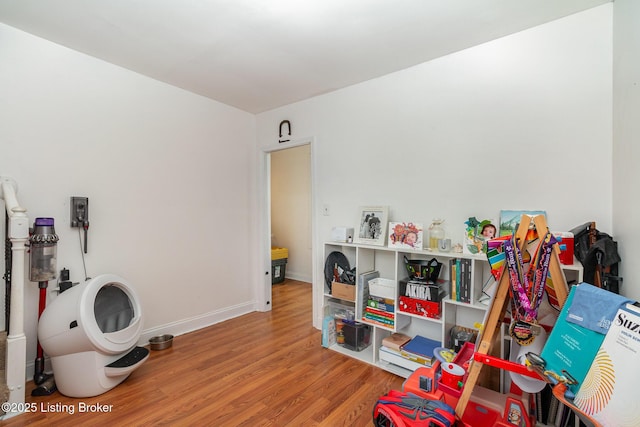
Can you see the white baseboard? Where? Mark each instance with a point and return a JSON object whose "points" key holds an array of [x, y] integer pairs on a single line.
{"points": [[179, 327], [300, 277], [197, 322]]}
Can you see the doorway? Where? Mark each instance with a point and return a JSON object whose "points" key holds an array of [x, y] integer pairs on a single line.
{"points": [[291, 204], [291, 209]]}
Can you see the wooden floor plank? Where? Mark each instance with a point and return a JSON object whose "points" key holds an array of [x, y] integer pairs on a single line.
{"points": [[260, 369]]}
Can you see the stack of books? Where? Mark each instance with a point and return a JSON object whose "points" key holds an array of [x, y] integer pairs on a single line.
{"points": [[460, 273], [411, 354], [380, 311]]}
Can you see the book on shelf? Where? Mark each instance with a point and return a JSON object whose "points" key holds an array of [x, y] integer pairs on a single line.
{"points": [[378, 317], [395, 341], [380, 305], [460, 274], [552, 412], [363, 291], [454, 275], [379, 313], [465, 280], [459, 278], [538, 397], [378, 323], [543, 404], [562, 415], [393, 357], [379, 320], [382, 317], [420, 348], [422, 360], [382, 300]]}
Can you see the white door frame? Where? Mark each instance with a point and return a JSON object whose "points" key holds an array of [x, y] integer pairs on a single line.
{"points": [[265, 222]]}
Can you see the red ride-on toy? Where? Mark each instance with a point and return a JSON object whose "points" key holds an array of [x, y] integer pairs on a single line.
{"points": [[426, 400], [399, 409]]}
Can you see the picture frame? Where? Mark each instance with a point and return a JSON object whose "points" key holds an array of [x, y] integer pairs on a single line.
{"points": [[405, 235], [477, 234], [509, 220], [372, 225]]}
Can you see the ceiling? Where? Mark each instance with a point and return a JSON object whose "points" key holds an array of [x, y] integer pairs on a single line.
{"points": [[257, 55]]}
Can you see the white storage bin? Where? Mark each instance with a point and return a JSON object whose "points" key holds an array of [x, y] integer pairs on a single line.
{"points": [[384, 288]]}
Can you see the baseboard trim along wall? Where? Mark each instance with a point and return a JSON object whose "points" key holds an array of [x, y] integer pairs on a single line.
{"points": [[175, 328]]}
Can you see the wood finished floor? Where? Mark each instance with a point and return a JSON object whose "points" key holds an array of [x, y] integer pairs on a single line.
{"points": [[261, 369]]}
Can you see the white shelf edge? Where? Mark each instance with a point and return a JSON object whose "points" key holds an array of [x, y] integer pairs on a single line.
{"points": [[365, 354], [338, 298], [576, 266], [416, 316], [377, 325], [478, 306], [427, 252], [394, 369]]}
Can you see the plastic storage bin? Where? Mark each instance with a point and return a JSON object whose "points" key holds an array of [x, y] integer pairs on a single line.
{"points": [[279, 253], [338, 310], [384, 288], [279, 257], [353, 335]]}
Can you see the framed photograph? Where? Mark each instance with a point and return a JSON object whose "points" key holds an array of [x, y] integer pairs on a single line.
{"points": [[406, 235], [477, 234], [372, 225], [509, 220]]}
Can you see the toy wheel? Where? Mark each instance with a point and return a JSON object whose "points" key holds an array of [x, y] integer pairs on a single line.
{"points": [[382, 421]]}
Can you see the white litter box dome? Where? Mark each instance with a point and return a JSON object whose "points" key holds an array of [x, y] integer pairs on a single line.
{"points": [[88, 327]]}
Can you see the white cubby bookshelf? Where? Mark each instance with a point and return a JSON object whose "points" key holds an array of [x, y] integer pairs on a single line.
{"points": [[389, 262]]}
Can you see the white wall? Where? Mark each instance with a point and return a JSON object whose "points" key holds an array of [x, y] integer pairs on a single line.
{"points": [[169, 175], [509, 124], [291, 208], [626, 131]]}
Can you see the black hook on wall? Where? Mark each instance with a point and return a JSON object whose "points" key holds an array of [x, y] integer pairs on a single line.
{"points": [[282, 123]]}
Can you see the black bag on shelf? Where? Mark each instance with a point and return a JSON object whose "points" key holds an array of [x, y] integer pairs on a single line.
{"points": [[598, 254]]}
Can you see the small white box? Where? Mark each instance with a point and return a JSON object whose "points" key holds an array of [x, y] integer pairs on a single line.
{"points": [[342, 234]]}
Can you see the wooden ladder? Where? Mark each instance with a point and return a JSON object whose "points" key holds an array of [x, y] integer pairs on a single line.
{"points": [[500, 301]]}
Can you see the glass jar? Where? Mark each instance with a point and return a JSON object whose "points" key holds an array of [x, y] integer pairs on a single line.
{"points": [[436, 232]]}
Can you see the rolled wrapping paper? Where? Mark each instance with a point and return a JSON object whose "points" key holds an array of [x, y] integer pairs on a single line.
{"points": [[518, 355]]}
